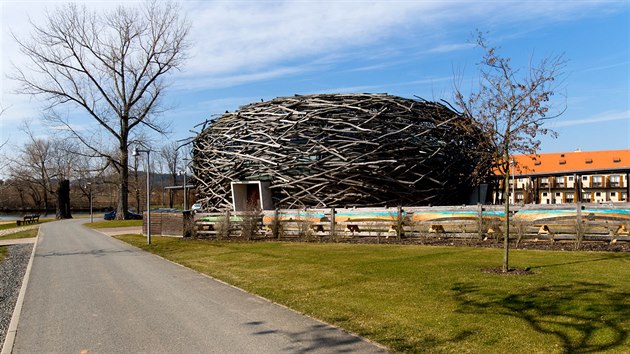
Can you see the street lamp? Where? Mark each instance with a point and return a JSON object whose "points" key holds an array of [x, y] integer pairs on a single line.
{"points": [[91, 214], [184, 173], [137, 152]]}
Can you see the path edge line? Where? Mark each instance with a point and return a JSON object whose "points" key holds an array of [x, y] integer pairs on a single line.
{"points": [[9, 340]]}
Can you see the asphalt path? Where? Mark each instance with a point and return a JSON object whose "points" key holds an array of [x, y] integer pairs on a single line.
{"points": [[90, 293]]}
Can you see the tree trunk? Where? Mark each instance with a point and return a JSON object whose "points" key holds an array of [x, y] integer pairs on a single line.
{"points": [[46, 206], [63, 200], [123, 191], [506, 226]]}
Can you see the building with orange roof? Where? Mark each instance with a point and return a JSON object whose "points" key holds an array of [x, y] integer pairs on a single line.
{"points": [[569, 177]]}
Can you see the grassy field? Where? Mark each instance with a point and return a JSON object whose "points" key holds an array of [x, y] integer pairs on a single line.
{"points": [[113, 223], [15, 235], [431, 299], [11, 224], [21, 234]]}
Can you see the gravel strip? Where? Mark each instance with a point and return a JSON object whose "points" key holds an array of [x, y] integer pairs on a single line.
{"points": [[11, 274]]}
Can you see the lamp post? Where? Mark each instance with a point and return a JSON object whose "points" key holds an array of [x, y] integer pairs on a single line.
{"points": [[91, 214], [137, 152], [184, 173]]}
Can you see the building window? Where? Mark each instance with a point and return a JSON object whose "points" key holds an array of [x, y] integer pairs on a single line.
{"points": [[615, 181], [570, 178], [519, 197], [544, 194], [570, 197], [544, 182], [584, 178], [598, 194], [624, 196], [560, 182], [612, 194], [558, 194], [597, 181], [586, 197]]}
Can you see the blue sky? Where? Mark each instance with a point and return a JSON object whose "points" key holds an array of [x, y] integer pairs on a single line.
{"points": [[245, 51]]}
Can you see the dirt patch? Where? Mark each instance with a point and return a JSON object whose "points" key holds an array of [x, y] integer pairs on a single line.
{"points": [[595, 246], [600, 246], [512, 271]]}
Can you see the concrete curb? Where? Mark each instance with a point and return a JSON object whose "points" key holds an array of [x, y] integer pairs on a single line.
{"points": [[7, 347]]}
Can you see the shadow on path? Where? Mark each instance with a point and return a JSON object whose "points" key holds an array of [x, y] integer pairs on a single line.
{"points": [[316, 338], [97, 253]]}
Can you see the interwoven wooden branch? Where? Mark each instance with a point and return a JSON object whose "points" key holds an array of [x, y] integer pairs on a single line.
{"points": [[339, 150]]}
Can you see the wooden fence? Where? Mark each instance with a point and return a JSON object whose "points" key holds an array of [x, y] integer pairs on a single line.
{"points": [[582, 222]]}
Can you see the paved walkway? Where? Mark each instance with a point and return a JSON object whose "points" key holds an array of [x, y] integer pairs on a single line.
{"points": [[112, 231], [88, 292]]}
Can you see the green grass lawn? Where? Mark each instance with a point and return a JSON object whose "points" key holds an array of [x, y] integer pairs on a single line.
{"points": [[16, 235], [21, 234], [431, 299], [113, 223], [12, 224]]}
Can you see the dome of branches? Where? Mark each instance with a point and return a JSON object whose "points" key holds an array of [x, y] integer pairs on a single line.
{"points": [[330, 150]]}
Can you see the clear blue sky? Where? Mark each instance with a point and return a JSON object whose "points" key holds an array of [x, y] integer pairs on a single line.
{"points": [[245, 51]]}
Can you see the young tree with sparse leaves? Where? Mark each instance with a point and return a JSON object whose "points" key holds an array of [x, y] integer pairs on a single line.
{"points": [[512, 105], [110, 65]]}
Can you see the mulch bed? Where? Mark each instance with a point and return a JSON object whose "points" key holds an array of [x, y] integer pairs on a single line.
{"points": [[595, 246]]}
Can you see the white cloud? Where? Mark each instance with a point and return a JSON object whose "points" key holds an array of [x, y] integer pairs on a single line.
{"points": [[236, 36], [241, 42], [596, 119], [444, 48]]}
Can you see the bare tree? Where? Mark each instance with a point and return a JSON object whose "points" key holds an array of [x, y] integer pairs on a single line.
{"points": [[88, 172], [2, 144], [43, 164], [31, 168], [511, 106], [170, 153], [110, 65]]}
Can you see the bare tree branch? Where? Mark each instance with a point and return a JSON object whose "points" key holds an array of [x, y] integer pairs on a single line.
{"points": [[512, 107], [109, 65]]}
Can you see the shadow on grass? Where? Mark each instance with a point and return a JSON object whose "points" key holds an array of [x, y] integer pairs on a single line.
{"points": [[583, 317], [603, 258]]}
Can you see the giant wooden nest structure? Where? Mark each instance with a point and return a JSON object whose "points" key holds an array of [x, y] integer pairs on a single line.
{"points": [[331, 150]]}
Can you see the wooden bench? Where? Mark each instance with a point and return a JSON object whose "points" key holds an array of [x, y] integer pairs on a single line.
{"points": [[436, 228], [28, 219]]}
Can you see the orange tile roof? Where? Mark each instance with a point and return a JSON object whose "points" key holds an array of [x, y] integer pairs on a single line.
{"points": [[571, 162]]}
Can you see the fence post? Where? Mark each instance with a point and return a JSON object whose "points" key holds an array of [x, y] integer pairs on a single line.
{"points": [[578, 206], [332, 224], [399, 222], [275, 224], [480, 220], [579, 227], [228, 223]]}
